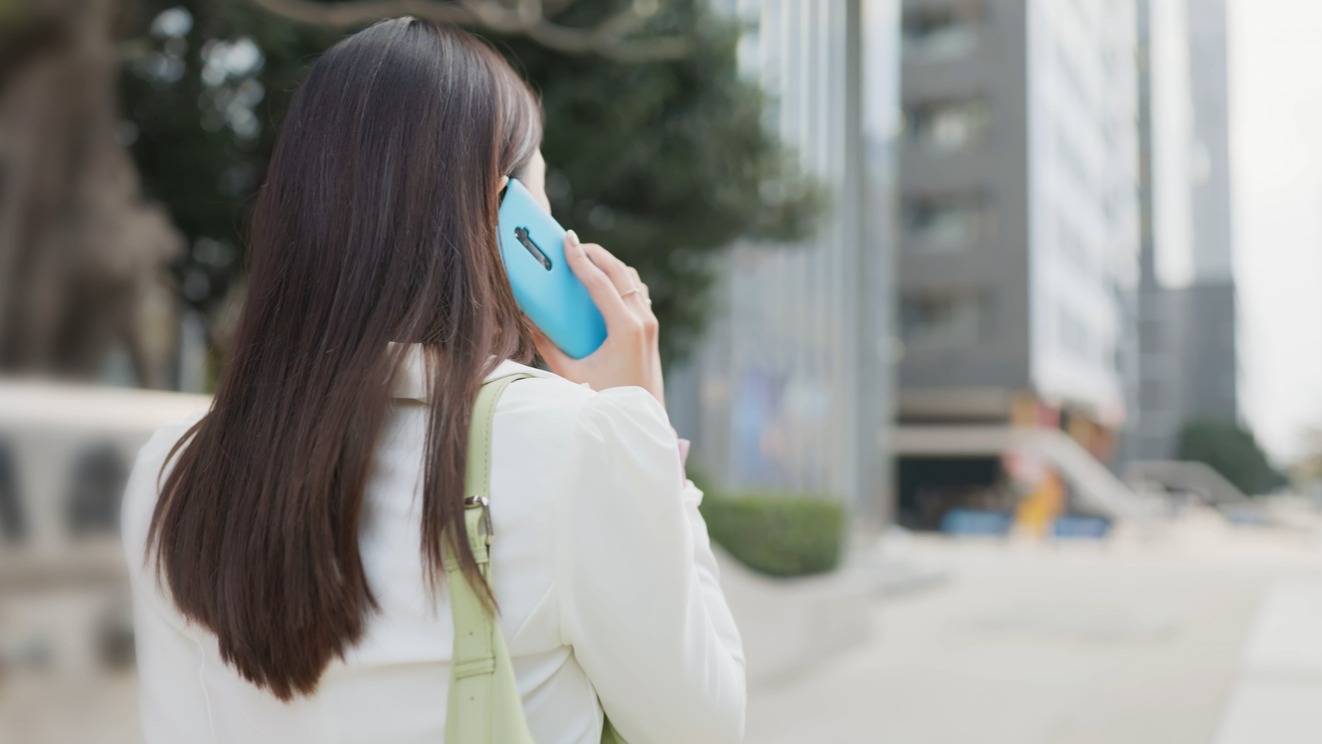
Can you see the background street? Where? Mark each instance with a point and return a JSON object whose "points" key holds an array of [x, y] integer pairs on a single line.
{"points": [[1167, 641], [1201, 634]]}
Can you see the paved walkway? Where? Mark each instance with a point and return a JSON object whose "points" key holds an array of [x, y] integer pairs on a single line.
{"points": [[1278, 697], [1202, 636], [1205, 635]]}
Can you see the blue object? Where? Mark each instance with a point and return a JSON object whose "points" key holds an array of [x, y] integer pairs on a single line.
{"points": [[1084, 526], [532, 245], [975, 522]]}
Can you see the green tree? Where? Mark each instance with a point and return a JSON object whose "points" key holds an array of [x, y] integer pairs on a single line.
{"points": [[203, 87], [1308, 469], [665, 161], [1231, 450]]}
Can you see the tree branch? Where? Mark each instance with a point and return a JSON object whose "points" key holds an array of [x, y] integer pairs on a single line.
{"points": [[609, 39], [362, 12], [556, 7], [627, 21]]}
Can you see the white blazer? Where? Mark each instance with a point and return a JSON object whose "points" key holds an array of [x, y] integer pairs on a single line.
{"points": [[608, 590]]}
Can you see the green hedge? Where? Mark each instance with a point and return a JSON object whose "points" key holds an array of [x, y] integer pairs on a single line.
{"points": [[778, 534]]}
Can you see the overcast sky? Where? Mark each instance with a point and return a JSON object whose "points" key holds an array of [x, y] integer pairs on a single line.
{"points": [[1276, 153]]}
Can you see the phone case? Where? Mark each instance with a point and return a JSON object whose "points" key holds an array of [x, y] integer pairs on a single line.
{"points": [[532, 245]]}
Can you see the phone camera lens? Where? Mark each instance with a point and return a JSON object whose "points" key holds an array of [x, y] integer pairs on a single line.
{"points": [[525, 239]]}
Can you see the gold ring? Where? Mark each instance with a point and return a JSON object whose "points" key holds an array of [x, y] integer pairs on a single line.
{"points": [[635, 290]]}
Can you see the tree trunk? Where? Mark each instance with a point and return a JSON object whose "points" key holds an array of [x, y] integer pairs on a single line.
{"points": [[79, 247]]}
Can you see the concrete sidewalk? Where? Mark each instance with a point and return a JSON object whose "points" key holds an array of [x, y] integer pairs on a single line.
{"points": [[1278, 696], [1202, 635], [1199, 635]]}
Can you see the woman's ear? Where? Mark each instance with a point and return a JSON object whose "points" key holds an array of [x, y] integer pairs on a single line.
{"points": [[504, 181]]}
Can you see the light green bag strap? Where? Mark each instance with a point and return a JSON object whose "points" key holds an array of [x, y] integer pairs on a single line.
{"points": [[484, 706]]}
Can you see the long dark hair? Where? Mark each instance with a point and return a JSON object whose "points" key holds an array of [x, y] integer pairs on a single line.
{"points": [[377, 223]]}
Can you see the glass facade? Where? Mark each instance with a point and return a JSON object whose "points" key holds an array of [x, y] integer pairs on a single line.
{"points": [[944, 318], [1083, 213], [949, 125], [942, 32], [947, 222], [792, 389]]}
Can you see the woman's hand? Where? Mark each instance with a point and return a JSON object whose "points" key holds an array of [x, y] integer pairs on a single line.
{"points": [[630, 354]]}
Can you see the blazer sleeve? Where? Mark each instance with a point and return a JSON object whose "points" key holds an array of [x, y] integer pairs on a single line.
{"points": [[171, 697], [641, 601]]}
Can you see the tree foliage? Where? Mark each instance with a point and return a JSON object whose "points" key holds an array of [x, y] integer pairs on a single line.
{"points": [[664, 162], [1308, 469], [204, 86], [1231, 450]]}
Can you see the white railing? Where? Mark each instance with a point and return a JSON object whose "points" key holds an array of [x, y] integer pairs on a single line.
{"points": [[65, 452], [1187, 475]]}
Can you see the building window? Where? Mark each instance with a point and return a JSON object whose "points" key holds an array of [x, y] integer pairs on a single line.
{"points": [[1073, 247], [1072, 160], [1149, 333], [946, 223], [950, 125], [942, 33], [1068, 69], [944, 317], [1073, 335], [1152, 398]]}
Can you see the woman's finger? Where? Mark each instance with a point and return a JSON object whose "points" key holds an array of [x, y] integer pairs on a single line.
{"points": [[600, 287], [617, 270], [640, 299], [626, 278], [644, 292]]}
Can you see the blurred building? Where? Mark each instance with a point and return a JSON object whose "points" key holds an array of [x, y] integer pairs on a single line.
{"points": [[1166, 132], [792, 389], [1018, 178], [1213, 256], [1187, 300], [1207, 312]]}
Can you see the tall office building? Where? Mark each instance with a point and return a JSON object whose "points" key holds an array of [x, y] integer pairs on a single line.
{"points": [[1018, 177], [1186, 304], [791, 390], [1166, 137], [1209, 306], [1213, 257]]}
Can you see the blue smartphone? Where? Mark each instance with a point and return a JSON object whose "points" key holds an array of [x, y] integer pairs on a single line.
{"points": [[532, 244]]}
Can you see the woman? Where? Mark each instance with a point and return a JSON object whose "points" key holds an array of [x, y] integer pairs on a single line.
{"points": [[286, 547]]}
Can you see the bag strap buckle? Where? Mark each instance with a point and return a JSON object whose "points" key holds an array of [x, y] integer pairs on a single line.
{"points": [[481, 502]]}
